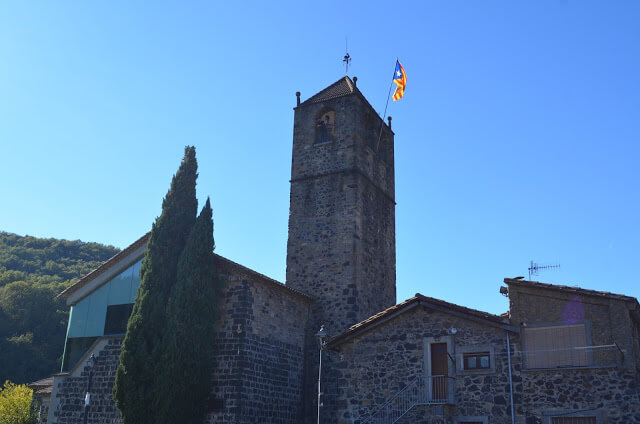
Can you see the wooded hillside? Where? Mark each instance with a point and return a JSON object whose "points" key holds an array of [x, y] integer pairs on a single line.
{"points": [[33, 322]]}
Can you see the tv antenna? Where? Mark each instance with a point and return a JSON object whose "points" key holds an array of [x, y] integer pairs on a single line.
{"points": [[535, 268], [346, 59]]}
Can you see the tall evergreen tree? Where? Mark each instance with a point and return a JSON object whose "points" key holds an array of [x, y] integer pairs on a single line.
{"points": [[191, 311], [141, 354]]}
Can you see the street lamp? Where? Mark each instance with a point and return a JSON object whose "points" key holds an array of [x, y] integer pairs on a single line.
{"points": [[87, 398], [322, 336]]}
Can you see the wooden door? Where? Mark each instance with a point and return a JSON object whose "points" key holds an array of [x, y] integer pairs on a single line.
{"points": [[439, 372]]}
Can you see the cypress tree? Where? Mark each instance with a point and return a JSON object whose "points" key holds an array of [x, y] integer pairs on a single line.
{"points": [[188, 344], [141, 355]]}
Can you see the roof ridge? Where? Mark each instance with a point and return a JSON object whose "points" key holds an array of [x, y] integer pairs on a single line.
{"points": [[574, 289], [342, 87]]}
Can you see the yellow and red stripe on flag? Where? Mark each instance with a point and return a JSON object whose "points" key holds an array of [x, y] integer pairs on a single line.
{"points": [[400, 78]]}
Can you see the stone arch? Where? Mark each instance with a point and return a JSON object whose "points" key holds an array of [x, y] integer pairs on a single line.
{"points": [[325, 126]]}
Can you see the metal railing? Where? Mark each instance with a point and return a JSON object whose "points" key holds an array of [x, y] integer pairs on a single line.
{"points": [[574, 357], [428, 390]]}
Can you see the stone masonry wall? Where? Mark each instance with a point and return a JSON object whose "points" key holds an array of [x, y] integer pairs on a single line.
{"points": [[341, 245], [259, 355], [71, 391], [608, 319], [609, 388], [610, 394], [258, 358], [366, 371]]}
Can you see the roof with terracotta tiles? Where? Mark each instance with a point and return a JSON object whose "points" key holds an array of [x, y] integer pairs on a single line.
{"points": [[42, 387], [567, 289], [343, 87], [141, 242], [425, 301]]}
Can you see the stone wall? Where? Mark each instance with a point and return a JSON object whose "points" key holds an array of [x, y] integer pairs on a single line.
{"points": [[69, 391], [258, 358], [609, 394], [609, 387], [341, 245], [259, 355], [363, 373]]}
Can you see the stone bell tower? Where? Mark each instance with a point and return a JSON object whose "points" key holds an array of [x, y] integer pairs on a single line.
{"points": [[341, 249]]}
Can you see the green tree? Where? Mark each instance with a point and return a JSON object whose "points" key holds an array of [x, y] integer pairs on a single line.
{"points": [[141, 355], [15, 404], [33, 321], [188, 343]]}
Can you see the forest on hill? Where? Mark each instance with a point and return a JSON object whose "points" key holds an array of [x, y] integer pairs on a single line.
{"points": [[33, 323]]}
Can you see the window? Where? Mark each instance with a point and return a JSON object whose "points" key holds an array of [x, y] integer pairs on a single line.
{"points": [[556, 346], [477, 361], [573, 420], [117, 317], [325, 124]]}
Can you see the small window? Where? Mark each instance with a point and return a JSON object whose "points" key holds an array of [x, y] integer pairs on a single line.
{"points": [[325, 126], [117, 318], [477, 361]]}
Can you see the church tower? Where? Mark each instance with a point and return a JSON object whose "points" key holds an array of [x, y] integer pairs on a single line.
{"points": [[341, 248]]}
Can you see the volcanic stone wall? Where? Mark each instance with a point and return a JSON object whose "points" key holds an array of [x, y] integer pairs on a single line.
{"points": [[69, 392], [363, 373], [341, 246], [258, 358], [259, 354], [609, 387]]}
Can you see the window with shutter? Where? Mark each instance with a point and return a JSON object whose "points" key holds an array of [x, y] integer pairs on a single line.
{"points": [[556, 346]]}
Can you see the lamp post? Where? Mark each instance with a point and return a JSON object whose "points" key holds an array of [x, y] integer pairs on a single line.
{"points": [[87, 398], [322, 336]]}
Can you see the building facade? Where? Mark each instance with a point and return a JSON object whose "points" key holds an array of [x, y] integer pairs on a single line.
{"points": [[561, 355]]}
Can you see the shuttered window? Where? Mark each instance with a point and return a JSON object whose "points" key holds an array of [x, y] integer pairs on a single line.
{"points": [[573, 420], [557, 346]]}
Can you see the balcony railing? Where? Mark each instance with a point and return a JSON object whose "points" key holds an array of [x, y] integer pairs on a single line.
{"points": [[574, 357], [428, 390]]}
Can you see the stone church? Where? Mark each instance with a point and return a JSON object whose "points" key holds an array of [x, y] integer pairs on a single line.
{"points": [[560, 355]]}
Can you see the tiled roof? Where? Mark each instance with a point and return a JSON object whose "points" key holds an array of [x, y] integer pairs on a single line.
{"points": [[409, 304], [42, 387], [105, 266], [141, 242], [567, 289], [343, 87], [241, 268]]}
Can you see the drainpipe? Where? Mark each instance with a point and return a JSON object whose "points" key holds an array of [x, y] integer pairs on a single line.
{"points": [[513, 417]]}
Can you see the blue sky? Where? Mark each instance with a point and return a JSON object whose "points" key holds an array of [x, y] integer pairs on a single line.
{"points": [[517, 138]]}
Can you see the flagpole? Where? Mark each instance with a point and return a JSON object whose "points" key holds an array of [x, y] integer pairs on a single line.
{"points": [[385, 108]]}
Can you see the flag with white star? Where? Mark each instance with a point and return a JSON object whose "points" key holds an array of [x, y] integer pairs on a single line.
{"points": [[400, 78]]}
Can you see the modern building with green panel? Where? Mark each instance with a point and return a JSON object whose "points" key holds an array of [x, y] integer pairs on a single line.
{"points": [[104, 308]]}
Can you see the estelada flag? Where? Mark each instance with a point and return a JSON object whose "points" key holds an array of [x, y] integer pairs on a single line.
{"points": [[400, 78]]}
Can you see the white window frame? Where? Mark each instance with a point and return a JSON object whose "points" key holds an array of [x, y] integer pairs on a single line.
{"points": [[462, 350]]}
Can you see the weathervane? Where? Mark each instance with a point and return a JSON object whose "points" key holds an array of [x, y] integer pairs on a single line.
{"points": [[346, 59]]}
